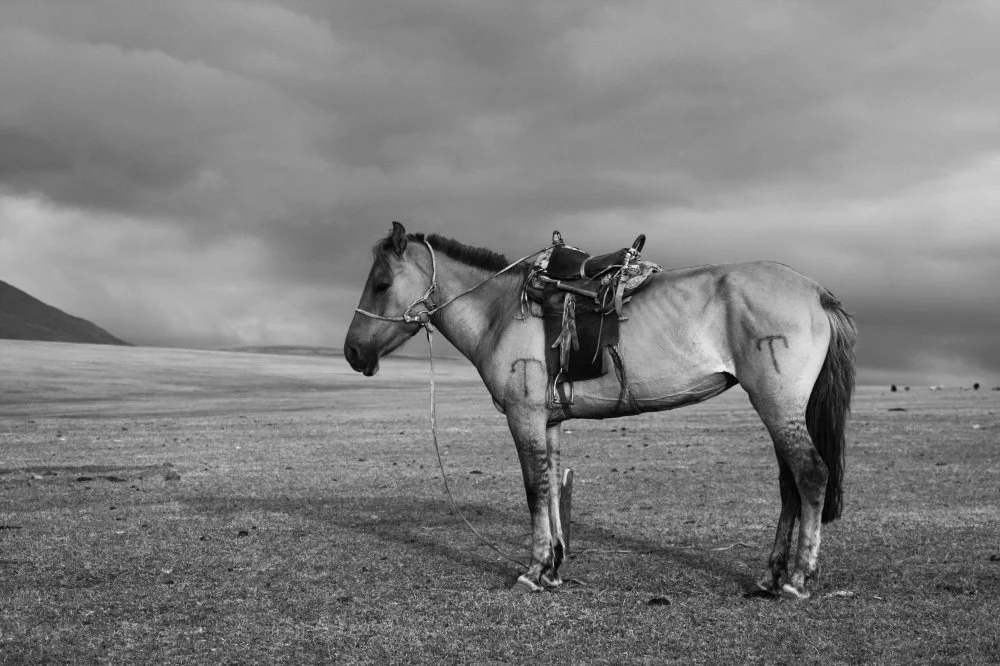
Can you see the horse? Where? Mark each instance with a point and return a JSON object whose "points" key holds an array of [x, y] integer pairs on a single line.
{"points": [[691, 334]]}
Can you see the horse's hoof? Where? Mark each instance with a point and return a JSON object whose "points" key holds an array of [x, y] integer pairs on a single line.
{"points": [[789, 591], [766, 585], [551, 581], [525, 585]]}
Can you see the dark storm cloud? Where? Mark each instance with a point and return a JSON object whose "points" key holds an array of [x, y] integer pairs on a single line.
{"points": [[232, 162]]}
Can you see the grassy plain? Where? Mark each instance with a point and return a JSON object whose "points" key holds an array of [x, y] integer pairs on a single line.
{"points": [[308, 523]]}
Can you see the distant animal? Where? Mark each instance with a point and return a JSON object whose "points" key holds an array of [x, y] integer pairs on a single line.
{"points": [[893, 388], [975, 387], [690, 334]]}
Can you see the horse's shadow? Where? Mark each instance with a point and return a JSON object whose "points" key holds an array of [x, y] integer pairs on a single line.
{"points": [[430, 527]]}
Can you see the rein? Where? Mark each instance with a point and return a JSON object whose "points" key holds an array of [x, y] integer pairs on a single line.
{"points": [[423, 318]]}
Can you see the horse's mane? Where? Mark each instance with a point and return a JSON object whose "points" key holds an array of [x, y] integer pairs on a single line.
{"points": [[480, 257]]}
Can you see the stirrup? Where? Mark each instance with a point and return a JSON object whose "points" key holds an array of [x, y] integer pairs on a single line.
{"points": [[556, 394]]}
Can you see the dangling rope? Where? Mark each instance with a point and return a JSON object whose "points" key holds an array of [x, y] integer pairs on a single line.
{"points": [[437, 451], [423, 318]]}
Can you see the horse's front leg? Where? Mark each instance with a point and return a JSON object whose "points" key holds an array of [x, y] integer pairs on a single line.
{"points": [[538, 450], [555, 501]]}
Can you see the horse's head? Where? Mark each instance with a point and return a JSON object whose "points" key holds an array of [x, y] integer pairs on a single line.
{"points": [[396, 282]]}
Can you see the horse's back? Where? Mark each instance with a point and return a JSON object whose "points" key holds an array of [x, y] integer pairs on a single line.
{"points": [[769, 292], [740, 319], [730, 280]]}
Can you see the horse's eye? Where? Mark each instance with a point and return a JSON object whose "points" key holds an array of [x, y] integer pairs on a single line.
{"points": [[381, 287]]}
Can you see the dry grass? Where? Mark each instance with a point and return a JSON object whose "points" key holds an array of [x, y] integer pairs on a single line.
{"points": [[309, 524]]}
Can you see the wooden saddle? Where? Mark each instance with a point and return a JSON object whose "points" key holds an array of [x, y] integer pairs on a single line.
{"points": [[578, 293]]}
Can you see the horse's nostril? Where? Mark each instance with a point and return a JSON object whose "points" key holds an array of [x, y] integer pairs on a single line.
{"points": [[352, 353], [360, 360]]}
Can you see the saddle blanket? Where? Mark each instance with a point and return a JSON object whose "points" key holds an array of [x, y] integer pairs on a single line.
{"points": [[577, 329]]}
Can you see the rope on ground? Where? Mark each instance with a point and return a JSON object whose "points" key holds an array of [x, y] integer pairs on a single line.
{"points": [[625, 551], [444, 477]]}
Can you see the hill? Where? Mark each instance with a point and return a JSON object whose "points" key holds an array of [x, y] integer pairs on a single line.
{"points": [[24, 317]]}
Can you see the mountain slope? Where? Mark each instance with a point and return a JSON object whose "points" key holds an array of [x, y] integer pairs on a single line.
{"points": [[24, 317]]}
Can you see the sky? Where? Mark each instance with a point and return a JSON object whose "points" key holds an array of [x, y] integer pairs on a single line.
{"points": [[213, 174]]}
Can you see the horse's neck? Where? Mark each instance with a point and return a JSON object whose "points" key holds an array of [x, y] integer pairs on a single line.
{"points": [[474, 318]]}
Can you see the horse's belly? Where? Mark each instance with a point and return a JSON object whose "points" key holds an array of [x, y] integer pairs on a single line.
{"points": [[608, 397]]}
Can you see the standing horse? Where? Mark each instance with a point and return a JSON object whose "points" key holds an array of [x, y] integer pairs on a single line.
{"points": [[691, 334]]}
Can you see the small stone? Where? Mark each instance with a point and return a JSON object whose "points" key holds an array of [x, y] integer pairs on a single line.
{"points": [[847, 594]]}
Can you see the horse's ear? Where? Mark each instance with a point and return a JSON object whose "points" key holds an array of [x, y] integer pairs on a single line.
{"points": [[398, 237]]}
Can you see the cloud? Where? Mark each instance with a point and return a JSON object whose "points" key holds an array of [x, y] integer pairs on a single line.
{"points": [[237, 159], [153, 284]]}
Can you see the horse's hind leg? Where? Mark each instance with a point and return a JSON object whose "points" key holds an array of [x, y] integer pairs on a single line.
{"points": [[808, 471], [777, 564], [781, 401], [779, 380]]}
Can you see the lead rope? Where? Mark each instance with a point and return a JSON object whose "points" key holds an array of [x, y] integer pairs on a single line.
{"points": [[423, 318], [437, 451]]}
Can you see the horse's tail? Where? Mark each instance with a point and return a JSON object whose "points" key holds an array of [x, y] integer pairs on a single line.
{"points": [[830, 401]]}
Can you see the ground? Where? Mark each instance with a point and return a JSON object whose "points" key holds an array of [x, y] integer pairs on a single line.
{"points": [[168, 506]]}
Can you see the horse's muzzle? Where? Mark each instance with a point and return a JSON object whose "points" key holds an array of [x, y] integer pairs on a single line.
{"points": [[365, 363]]}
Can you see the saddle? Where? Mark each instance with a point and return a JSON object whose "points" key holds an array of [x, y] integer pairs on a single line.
{"points": [[578, 294], [570, 263]]}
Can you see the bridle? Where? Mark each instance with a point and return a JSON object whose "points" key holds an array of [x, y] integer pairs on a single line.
{"points": [[424, 316]]}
